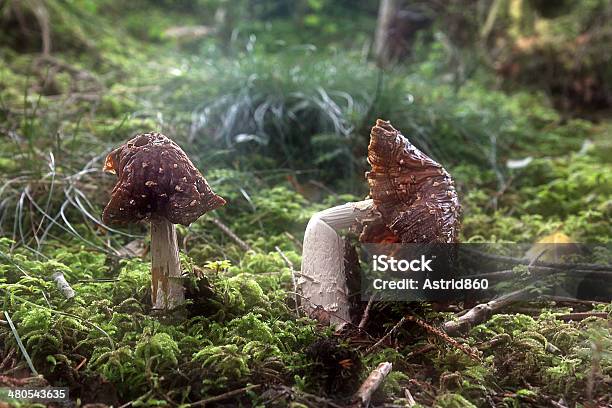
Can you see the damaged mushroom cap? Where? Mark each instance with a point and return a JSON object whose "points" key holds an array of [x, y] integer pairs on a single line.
{"points": [[414, 196], [156, 179]]}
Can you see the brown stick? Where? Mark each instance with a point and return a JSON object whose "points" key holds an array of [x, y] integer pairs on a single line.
{"points": [[5, 361], [540, 272], [223, 396], [370, 385], [81, 364], [304, 397], [227, 231], [426, 348], [386, 336], [526, 261], [471, 352], [582, 316], [565, 299], [480, 313]]}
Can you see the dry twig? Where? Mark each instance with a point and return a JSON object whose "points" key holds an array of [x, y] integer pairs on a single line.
{"points": [[371, 384], [386, 336], [410, 402], [526, 261], [472, 353], [481, 312], [301, 396], [582, 316], [5, 361], [366, 314], [227, 231], [223, 396]]}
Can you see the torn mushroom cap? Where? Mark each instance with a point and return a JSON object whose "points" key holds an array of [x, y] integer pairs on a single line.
{"points": [[413, 194], [156, 179]]}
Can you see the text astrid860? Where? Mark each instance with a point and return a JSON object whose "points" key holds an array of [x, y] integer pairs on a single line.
{"points": [[431, 284]]}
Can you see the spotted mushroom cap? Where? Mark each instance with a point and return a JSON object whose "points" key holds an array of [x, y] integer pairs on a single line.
{"points": [[156, 179], [414, 197]]}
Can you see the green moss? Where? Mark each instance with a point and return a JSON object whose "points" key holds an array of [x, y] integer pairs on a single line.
{"points": [[242, 293]]}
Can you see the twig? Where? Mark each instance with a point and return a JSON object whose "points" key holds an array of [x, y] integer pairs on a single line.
{"points": [[78, 367], [527, 261], [421, 350], [566, 299], [582, 316], [290, 265], [386, 336], [366, 314], [227, 231], [223, 396], [63, 285], [20, 344], [410, 402], [551, 348], [534, 260], [302, 395], [6, 359], [371, 384], [540, 272], [472, 353], [323, 187], [481, 312], [559, 404], [37, 381]]}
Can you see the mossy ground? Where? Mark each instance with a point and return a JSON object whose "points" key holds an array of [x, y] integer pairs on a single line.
{"points": [[303, 116]]}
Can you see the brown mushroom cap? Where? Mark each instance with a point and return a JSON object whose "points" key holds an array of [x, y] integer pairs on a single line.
{"points": [[156, 179], [414, 197]]}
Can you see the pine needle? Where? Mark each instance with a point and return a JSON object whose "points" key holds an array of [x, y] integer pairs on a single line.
{"points": [[20, 344]]}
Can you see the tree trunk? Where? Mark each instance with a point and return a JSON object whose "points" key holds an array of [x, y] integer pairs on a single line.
{"points": [[382, 47], [166, 278]]}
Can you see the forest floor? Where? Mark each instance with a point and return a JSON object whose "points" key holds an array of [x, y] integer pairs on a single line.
{"points": [[522, 170]]}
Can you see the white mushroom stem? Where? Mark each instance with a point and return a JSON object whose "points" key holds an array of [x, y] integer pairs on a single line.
{"points": [[322, 281], [166, 278]]}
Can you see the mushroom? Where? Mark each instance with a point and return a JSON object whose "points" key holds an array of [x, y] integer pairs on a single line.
{"points": [[414, 196], [158, 183], [413, 199]]}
